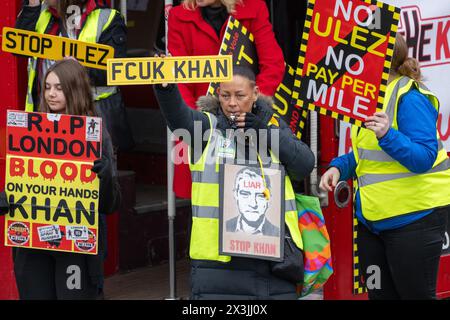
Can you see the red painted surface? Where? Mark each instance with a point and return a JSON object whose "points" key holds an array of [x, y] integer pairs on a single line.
{"points": [[111, 265], [339, 224], [9, 99]]}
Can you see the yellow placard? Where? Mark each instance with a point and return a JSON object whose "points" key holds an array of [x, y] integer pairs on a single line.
{"points": [[65, 192], [52, 191], [38, 45], [192, 69]]}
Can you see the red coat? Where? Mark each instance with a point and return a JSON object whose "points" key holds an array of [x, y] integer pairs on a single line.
{"points": [[190, 35]]}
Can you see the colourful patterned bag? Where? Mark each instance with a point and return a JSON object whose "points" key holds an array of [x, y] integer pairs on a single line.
{"points": [[316, 244]]}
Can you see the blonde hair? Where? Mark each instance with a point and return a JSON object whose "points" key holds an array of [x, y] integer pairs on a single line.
{"points": [[229, 4], [402, 64]]}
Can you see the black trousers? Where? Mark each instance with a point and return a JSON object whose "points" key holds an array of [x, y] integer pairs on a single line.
{"points": [[406, 259], [47, 275]]}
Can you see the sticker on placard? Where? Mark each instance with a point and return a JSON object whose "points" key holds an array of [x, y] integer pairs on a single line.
{"points": [[49, 233], [86, 245], [93, 129], [77, 233], [17, 119], [18, 233]]}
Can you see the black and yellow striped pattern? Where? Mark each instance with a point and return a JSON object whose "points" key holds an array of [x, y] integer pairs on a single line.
{"points": [[233, 24], [358, 286], [390, 48], [387, 63]]}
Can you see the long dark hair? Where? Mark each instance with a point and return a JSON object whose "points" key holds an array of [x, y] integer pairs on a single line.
{"points": [[75, 86]]}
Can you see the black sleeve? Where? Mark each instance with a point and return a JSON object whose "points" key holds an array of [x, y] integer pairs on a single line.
{"points": [[295, 155], [109, 191], [28, 17], [115, 36], [176, 112]]}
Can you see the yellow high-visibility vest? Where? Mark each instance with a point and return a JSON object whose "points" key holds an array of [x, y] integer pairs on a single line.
{"points": [[204, 243], [96, 22], [387, 188]]}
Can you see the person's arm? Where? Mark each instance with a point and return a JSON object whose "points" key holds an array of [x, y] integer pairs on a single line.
{"points": [[295, 155], [115, 36], [109, 190], [346, 164], [177, 113], [414, 144], [29, 15], [177, 47], [270, 56]]}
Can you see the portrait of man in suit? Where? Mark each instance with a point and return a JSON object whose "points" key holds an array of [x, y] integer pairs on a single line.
{"points": [[251, 192]]}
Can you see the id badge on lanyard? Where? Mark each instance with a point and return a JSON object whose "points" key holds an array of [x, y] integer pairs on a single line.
{"points": [[226, 147]]}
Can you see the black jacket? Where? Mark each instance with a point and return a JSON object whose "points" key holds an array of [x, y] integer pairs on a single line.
{"points": [[115, 36], [241, 278], [295, 155]]}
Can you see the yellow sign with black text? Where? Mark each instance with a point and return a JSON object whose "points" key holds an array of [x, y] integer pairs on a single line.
{"points": [[135, 71], [45, 46], [52, 191]]}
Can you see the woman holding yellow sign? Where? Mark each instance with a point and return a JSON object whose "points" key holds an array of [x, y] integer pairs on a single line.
{"points": [[49, 275], [87, 21], [241, 128], [403, 177]]}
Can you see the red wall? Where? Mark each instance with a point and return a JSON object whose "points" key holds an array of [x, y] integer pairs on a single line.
{"points": [[10, 98]]}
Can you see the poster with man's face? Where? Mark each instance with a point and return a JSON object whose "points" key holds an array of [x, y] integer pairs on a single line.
{"points": [[252, 211]]}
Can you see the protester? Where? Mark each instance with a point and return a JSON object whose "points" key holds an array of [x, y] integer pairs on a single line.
{"points": [[42, 274], [402, 196], [239, 106], [197, 27], [96, 23]]}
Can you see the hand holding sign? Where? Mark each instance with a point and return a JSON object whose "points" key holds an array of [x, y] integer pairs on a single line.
{"points": [[102, 166], [378, 123], [162, 55]]}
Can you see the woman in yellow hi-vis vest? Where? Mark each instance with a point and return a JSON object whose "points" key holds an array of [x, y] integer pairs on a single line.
{"points": [[402, 187], [88, 21], [239, 106]]}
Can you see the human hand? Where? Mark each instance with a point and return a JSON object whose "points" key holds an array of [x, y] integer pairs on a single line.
{"points": [[250, 120], [162, 55], [101, 167], [378, 123], [329, 179], [70, 58], [4, 204]]}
